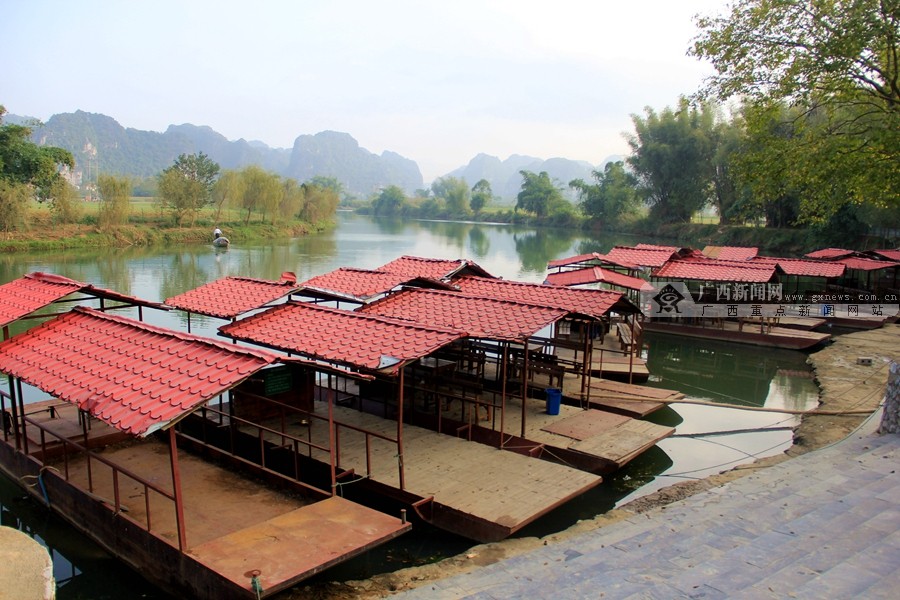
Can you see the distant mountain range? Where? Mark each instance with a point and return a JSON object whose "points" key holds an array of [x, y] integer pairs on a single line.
{"points": [[101, 145]]}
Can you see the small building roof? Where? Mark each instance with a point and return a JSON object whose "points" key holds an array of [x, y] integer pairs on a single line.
{"points": [[644, 255], [230, 297], [798, 267], [360, 285], [887, 253], [23, 296], [730, 252], [867, 264], [592, 259], [594, 303], [133, 376], [478, 317], [433, 268], [716, 270], [829, 253], [343, 337], [598, 275]]}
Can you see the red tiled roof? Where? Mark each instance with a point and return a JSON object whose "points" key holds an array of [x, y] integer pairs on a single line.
{"points": [[830, 253], [23, 296], [657, 247], [358, 285], [27, 294], [595, 303], [590, 259], [478, 317], [136, 377], [649, 256], [866, 264], [340, 336], [716, 270], [730, 252], [598, 275], [433, 268], [798, 267], [889, 254], [573, 260], [229, 297]]}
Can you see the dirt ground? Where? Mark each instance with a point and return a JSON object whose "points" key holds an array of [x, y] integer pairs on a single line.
{"points": [[845, 383]]}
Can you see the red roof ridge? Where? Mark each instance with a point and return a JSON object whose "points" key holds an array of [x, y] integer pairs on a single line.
{"points": [[172, 333]]}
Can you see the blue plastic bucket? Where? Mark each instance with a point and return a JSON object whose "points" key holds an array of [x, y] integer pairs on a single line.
{"points": [[554, 399]]}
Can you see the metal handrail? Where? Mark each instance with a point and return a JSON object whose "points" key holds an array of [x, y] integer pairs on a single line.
{"points": [[114, 468]]}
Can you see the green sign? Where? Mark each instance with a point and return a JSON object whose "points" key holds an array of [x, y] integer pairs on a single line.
{"points": [[277, 380]]}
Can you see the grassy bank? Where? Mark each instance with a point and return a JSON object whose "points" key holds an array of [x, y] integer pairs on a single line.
{"points": [[146, 226]]}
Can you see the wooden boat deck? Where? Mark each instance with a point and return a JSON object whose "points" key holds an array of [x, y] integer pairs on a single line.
{"points": [[234, 525], [613, 438], [489, 484], [749, 333]]}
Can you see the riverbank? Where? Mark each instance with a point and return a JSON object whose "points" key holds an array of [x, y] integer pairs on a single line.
{"points": [[845, 385], [145, 227]]}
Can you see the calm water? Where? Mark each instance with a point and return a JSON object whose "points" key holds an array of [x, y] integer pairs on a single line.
{"points": [[708, 439]]}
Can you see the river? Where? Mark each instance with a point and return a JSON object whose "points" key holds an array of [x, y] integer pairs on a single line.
{"points": [[708, 439]]}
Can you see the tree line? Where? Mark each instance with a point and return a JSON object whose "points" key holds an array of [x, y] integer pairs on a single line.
{"points": [[798, 127], [192, 183]]}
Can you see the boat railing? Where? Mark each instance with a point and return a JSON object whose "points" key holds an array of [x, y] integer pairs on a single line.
{"points": [[283, 438], [263, 434], [70, 449]]}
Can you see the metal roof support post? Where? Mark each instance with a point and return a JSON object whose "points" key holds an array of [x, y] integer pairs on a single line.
{"points": [[586, 361], [22, 415], [504, 369], [15, 410], [84, 416], [400, 433], [333, 457], [176, 487], [524, 386], [634, 341]]}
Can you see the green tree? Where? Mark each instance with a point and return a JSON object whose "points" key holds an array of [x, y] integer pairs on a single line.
{"points": [[672, 159], [115, 194], [319, 203], [539, 195], [613, 197], [24, 162], [765, 166], [13, 204], [482, 195], [454, 192], [835, 62], [187, 185], [65, 202], [228, 190], [390, 202], [263, 192]]}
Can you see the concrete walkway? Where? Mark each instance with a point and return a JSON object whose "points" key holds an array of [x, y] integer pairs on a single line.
{"points": [[824, 525]]}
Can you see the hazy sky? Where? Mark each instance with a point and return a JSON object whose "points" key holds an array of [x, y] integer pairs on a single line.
{"points": [[437, 82]]}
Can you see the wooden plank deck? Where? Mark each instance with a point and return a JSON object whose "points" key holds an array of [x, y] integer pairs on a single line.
{"points": [[234, 524], [490, 484]]}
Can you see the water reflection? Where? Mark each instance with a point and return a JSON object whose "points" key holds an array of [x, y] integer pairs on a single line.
{"points": [[731, 373]]}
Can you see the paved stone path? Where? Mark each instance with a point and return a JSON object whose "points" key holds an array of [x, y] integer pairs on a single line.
{"points": [[824, 525]]}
